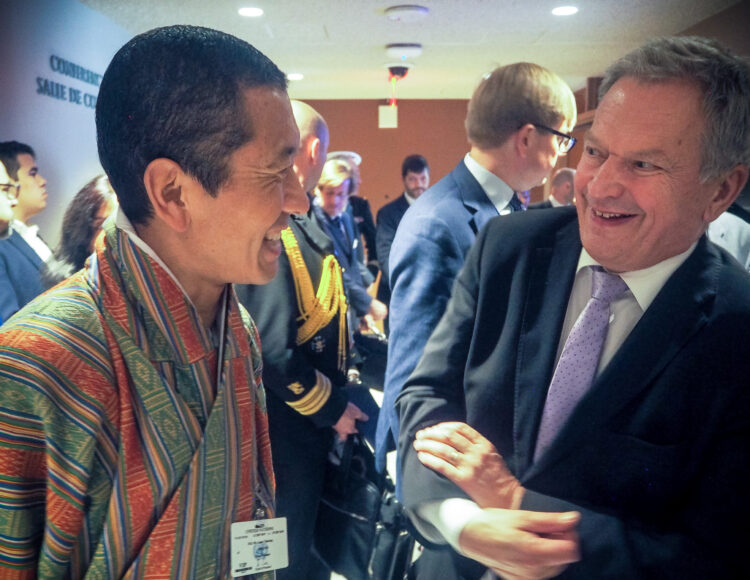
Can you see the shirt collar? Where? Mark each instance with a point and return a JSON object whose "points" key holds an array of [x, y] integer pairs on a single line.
{"points": [[123, 223], [644, 284], [499, 192], [409, 199], [554, 202], [25, 230]]}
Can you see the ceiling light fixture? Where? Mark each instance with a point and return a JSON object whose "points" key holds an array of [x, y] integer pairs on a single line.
{"points": [[564, 11], [295, 76], [250, 12], [406, 12]]}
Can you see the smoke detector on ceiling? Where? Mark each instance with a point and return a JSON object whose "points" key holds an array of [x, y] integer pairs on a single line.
{"points": [[403, 50], [406, 13]]}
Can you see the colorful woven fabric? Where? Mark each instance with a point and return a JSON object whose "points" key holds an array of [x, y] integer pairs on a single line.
{"points": [[118, 455]]}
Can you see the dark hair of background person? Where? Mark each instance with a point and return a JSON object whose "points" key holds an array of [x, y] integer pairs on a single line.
{"points": [[9, 152], [415, 164], [177, 93], [80, 226]]}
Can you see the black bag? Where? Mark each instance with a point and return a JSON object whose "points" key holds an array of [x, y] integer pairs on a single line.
{"points": [[360, 528]]}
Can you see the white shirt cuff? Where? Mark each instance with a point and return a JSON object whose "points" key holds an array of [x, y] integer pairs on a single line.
{"points": [[449, 517]]}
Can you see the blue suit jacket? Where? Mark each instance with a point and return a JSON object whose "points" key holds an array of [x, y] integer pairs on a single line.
{"points": [[654, 456], [19, 275], [429, 249]]}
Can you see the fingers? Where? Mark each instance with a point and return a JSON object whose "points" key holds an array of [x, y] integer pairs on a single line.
{"points": [[458, 435], [549, 523], [499, 539], [356, 413]]}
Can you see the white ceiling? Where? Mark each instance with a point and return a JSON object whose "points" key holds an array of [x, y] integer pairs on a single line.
{"points": [[339, 45]]}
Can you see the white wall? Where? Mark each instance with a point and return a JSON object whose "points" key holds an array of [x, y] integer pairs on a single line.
{"points": [[62, 133]]}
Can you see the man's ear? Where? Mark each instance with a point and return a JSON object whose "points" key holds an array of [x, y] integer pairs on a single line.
{"points": [[315, 151], [726, 191], [523, 139], [165, 183]]}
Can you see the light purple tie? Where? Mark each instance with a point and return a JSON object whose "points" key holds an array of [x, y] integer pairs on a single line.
{"points": [[580, 357]]}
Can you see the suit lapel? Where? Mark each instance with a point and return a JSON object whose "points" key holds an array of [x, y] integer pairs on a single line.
{"points": [[348, 222], [680, 309], [316, 236], [474, 198], [549, 284], [22, 246]]}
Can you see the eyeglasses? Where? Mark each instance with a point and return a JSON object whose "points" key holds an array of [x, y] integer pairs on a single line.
{"points": [[10, 190], [564, 142]]}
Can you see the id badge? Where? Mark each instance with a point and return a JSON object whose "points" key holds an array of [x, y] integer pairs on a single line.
{"points": [[259, 546]]}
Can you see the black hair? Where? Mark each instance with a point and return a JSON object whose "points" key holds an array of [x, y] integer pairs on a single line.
{"points": [[176, 93], [9, 152], [415, 164]]}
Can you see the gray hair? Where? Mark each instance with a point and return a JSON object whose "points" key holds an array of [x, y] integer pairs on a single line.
{"points": [[724, 80]]}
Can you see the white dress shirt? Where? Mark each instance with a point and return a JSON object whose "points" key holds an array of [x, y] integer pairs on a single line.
{"points": [[30, 234], [450, 516]]}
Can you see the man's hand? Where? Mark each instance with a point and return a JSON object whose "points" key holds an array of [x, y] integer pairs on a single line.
{"points": [[377, 310], [519, 544], [469, 460], [346, 425]]}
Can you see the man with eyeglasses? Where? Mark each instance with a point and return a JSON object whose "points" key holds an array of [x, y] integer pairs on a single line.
{"points": [[8, 198], [517, 125]]}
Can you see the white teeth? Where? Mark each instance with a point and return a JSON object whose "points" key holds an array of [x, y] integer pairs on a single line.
{"points": [[273, 237], [606, 215]]}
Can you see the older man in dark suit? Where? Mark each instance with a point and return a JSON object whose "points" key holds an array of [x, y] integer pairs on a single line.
{"points": [[516, 123], [561, 191], [604, 358]]}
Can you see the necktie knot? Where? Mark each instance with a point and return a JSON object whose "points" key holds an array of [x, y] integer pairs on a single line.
{"points": [[606, 287]]}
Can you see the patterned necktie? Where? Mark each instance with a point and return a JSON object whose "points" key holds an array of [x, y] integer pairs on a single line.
{"points": [[580, 357]]}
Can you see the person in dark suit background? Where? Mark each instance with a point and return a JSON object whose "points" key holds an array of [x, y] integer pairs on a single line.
{"points": [[517, 124], [642, 473], [359, 209], [23, 253], [415, 173], [561, 192], [332, 193], [304, 362]]}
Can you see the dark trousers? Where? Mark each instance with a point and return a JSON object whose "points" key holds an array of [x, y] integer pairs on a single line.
{"points": [[299, 459]]}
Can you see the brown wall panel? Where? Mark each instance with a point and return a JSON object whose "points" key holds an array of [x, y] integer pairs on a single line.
{"points": [[434, 128]]}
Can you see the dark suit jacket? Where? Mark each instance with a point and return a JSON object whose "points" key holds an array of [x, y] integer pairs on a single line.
{"points": [[541, 205], [274, 309], [300, 442], [362, 215], [655, 454], [428, 251], [19, 274], [356, 276], [389, 217]]}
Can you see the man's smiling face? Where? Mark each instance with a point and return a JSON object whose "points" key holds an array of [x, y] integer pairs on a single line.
{"points": [[640, 198]]}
